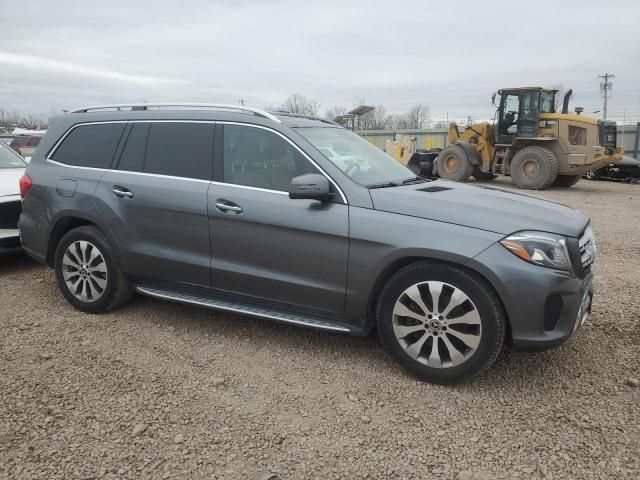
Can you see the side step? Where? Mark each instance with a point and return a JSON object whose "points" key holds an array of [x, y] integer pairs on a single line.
{"points": [[251, 310]]}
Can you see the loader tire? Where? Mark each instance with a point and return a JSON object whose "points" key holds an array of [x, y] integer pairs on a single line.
{"points": [[453, 164], [566, 180], [534, 168]]}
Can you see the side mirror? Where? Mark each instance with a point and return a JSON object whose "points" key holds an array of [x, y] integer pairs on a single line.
{"points": [[493, 99], [311, 186]]}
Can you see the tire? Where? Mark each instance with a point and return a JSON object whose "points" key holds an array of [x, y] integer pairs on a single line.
{"points": [[409, 338], [594, 174], [453, 164], [534, 168], [482, 176], [101, 284], [566, 180]]}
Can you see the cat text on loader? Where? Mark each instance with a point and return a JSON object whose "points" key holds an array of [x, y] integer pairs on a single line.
{"points": [[531, 142]]}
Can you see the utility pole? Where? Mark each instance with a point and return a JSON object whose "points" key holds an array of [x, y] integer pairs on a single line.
{"points": [[241, 101], [605, 90]]}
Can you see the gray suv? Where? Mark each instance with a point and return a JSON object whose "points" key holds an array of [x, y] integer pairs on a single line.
{"points": [[297, 220]]}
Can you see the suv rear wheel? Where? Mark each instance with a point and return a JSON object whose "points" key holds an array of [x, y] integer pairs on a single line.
{"points": [[88, 271], [441, 323]]}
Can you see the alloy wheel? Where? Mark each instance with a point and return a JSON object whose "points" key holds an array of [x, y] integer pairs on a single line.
{"points": [[84, 271], [437, 324]]}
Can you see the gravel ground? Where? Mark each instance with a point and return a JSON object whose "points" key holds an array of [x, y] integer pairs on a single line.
{"points": [[159, 390]]}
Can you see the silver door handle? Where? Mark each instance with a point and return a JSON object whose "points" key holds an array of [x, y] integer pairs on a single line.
{"points": [[122, 193], [223, 207]]}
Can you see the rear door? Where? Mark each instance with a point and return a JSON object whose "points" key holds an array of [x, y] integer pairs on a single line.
{"points": [[155, 200], [263, 243]]}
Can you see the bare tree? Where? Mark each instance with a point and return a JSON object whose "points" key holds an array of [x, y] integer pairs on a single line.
{"points": [[300, 104], [418, 116], [11, 120]]}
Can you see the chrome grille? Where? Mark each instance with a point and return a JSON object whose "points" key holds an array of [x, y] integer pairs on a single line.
{"points": [[587, 245]]}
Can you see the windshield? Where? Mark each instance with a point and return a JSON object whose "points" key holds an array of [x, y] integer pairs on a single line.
{"points": [[9, 159], [362, 161]]}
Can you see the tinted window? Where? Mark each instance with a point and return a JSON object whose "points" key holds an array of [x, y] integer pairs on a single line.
{"points": [[90, 145], [19, 141], [132, 158], [260, 158], [180, 150], [34, 141]]}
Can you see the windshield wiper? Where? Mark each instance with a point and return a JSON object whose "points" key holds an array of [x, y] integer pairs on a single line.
{"points": [[413, 180], [383, 185]]}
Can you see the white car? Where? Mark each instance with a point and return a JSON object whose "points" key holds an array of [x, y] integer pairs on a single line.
{"points": [[11, 169]]}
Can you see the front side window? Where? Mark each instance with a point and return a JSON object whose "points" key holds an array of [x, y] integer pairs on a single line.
{"points": [[179, 149], [363, 162], [90, 145], [10, 159], [259, 158]]}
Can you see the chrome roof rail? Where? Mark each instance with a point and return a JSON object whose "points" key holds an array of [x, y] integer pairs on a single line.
{"points": [[175, 106]]}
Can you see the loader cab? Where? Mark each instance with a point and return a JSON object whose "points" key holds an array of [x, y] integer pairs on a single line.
{"points": [[519, 112]]}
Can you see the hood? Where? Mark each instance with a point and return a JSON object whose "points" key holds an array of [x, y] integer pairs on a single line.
{"points": [[9, 181], [486, 208]]}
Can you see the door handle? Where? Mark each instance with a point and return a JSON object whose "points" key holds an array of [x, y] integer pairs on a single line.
{"points": [[225, 206], [122, 192]]}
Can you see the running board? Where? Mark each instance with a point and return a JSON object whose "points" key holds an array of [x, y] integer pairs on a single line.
{"points": [[254, 311]]}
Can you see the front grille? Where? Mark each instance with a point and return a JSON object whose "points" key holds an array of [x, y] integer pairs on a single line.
{"points": [[10, 213], [552, 311], [607, 132], [587, 246]]}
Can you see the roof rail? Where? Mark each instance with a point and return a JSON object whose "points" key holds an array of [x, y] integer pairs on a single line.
{"points": [[284, 113], [213, 106]]}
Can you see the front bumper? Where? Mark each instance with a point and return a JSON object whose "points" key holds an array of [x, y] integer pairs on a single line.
{"points": [[544, 306]]}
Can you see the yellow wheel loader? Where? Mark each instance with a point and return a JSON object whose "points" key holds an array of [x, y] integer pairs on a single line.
{"points": [[530, 142]]}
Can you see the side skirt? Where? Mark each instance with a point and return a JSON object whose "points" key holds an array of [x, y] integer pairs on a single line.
{"points": [[316, 322]]}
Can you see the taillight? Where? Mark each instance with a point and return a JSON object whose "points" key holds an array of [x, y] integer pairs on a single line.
{"points": [[25, 184]]}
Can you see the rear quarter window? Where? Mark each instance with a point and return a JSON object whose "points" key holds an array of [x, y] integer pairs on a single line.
{"points": [[90, 145]]}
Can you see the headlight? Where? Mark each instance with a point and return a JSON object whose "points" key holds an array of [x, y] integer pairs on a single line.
{"points": [[540, 248]]}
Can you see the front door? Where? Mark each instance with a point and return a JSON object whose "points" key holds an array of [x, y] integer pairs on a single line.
{"points": [[155, 201], [509, 116], [265, 244]]}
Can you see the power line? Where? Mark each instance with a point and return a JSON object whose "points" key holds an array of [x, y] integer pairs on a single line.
{"points": [[605, 89]]}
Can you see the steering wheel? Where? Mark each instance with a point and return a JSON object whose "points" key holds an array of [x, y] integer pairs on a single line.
{"points": [[350, 166]]}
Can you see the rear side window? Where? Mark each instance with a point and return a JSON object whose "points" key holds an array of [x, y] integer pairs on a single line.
{"points": [[90, 145], [132, 158], [180, 150]]}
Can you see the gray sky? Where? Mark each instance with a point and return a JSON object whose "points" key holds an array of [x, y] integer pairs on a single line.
{"points": [[448, 55]]}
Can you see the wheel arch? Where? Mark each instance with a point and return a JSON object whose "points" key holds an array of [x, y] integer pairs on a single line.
{"points": [[399, 263], [65, 223]]}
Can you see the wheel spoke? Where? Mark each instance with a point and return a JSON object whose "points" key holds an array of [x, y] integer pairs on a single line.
{"points": [[68, 274], [456, 356], [95, 253], [414, 294], [457, 298], [102, 283], [470, 318], [100, 268], [403, 311], [435, 289], [471, 341], [82, 245], [434, 356], [402, 331], [414, 349], [70, 259]]}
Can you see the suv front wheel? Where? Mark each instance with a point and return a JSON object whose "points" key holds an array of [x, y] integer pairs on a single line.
{"points": [[88, 271], [441, 323]]}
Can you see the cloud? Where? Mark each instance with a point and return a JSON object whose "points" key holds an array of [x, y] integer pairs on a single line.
{"points": [[55, 66]]}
